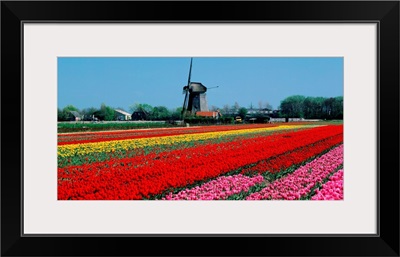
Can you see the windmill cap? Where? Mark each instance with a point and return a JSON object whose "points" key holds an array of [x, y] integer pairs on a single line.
{"points": [[197, 87]]}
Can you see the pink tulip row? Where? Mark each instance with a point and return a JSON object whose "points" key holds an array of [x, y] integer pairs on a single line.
{"points": [[218, 189], [299, 183], [331, 190]]}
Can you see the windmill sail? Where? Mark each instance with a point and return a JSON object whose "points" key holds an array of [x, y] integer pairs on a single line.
{"points": [[195, 98], [190, 71], [186, 89]]}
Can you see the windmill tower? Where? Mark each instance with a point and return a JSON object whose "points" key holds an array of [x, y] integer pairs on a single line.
{"points": [[195, 96]]}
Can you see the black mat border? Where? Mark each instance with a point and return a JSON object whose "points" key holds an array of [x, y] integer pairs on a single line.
{"points": [[384, 13]]}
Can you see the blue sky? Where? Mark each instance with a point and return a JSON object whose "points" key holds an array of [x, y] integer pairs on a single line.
{"points": [[123, 81]]}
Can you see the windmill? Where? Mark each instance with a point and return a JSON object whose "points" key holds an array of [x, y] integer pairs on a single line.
{"points": [[195, 97]]}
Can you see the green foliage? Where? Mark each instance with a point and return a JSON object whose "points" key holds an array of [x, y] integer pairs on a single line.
{"points": [[138, 107], [242, 112], [199, 120], [292, 106], [312, 107], [65, 114], [100, 126], [88, 113], [60, 115], [160, 113], [227, 120], [208, 120], [105, 113], [176, 113], [70, 108]]}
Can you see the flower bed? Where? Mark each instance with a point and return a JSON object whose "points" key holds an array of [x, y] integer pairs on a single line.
{"points": [[148, 174], [301, 182], [332, 190], [218, 189], [92, 137]]}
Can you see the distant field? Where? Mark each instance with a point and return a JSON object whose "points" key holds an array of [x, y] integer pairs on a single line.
{"points": [[87, 126], [81, 126]]}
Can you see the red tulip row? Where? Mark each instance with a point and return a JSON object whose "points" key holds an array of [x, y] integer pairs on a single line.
{"points": [[90, 137], [282, 162], [141, 177]]}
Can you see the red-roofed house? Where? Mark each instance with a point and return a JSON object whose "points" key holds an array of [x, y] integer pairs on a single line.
{"points": [[209, 114]]}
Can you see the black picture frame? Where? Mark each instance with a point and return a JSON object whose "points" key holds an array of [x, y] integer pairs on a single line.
{"points": [[384, 13]]}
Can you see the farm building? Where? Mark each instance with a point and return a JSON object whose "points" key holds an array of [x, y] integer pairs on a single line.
{"points": [[76, 116], [139, 115], [122, 115], [209, 114], [253, 111]]}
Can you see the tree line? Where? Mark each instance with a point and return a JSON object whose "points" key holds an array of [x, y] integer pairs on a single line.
{"points": [[103, 113], [107, 113], [154, 113], [296, 106]]}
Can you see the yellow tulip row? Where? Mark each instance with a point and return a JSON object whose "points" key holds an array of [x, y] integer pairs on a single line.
{"points": [[129, 144]]}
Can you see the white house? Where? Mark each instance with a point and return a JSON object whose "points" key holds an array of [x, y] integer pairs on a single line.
{"points": [[122, 115]]}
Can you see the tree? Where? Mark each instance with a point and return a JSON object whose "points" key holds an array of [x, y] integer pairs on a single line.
{"points": [[60, 115], [160, 113], [313, 107], [309, 107], [138, 107], [176, 113], [328, 107], [242, 112], [88, 113], [70, 108], [105, 113], [332, 108], [65, 114], [319, 107], [337, 111], [292, 106]]}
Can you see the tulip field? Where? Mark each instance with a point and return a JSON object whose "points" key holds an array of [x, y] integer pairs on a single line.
{"points": [[283, 161]]}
